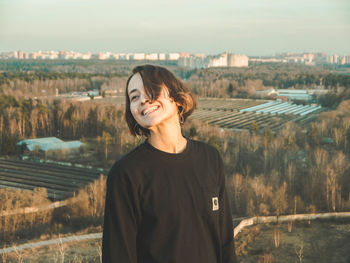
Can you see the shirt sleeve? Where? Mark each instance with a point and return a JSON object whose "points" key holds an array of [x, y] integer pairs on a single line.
{"points": [[226, 225], [119, 242]]}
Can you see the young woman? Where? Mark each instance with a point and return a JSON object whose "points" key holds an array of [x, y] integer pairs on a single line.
{"points": [[166, 199]]}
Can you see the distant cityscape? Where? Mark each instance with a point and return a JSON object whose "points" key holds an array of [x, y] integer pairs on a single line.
{"points": [[185, 59]]}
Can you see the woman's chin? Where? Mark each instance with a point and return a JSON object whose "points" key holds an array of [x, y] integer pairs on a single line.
{"points": [[149, 125]]}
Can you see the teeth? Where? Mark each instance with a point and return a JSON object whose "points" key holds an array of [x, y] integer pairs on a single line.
{"points": [[149, 110]]}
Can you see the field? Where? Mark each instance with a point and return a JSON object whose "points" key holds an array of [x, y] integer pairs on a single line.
{"points": [[241, 114], [306, 242], [74, 252], [60, 181]]}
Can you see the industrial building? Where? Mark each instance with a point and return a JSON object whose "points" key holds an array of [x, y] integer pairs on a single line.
{"points": [[47, 144]]}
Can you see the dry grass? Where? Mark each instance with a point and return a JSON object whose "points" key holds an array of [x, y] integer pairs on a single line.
{"points": [[317, 242], [307, 243], [83, 211], [22, 225], [73, 252]]}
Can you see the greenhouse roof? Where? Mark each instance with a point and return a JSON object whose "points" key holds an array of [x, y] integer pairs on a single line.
{"points": [[49, 143]]}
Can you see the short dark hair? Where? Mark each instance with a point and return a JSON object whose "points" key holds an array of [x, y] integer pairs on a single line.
{"points": [[154, 79]]}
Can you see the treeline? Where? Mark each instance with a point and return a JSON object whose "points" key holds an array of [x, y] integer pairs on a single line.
{"points": [[333, 98], [101, 67], [7, 77], [244, 82], [211, 82], [29, 85], [94, 66], [27, 118], [296, 170]]}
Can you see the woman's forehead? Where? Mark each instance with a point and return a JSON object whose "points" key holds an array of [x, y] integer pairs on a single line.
{"points": [[135, 83]]}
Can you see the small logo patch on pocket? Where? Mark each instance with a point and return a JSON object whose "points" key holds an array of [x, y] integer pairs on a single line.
{"points": [[215, 202]]}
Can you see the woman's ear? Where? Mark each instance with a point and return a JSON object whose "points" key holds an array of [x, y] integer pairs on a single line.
{"points": [[180, 109]]}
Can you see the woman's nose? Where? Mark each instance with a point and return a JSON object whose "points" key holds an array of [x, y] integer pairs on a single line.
{"points": [[144, 99]]}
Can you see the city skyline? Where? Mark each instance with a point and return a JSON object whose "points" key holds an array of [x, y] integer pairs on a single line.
{"points": [[249, 27]]}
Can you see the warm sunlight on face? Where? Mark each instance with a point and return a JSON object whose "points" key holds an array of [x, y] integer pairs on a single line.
{"points": [[150, 114]]}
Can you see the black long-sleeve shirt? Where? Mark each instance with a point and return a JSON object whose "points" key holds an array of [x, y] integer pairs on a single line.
{"points": [[163, 207]]}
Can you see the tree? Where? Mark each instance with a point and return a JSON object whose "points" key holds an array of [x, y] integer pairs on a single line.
{"points": [[268, 137], [339, 136], [26, 109], [254, 128], [332, 189], [92, 122], [70, 121], [314, 135], [107, 140], [237, 184], [193, 132], [318, 162], [8, 146], [57, 113], [280, 200], [230, 89], [215, 141]]}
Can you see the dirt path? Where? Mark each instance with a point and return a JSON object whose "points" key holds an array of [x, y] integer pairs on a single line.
{"points": [[51, 242]]}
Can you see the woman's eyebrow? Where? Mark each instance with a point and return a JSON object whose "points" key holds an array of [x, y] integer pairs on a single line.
{"points": [[132, 91]]}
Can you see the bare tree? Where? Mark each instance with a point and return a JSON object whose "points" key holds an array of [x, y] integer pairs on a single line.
{"points": [[280, 200], [277, 237], [299, 252], [61, 249]]}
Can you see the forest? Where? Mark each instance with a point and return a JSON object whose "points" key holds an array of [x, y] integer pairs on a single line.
{"points": [[42, 78], [297, 169]]}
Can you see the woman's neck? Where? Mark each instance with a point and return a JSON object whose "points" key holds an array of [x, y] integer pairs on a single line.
{"points": [[168, 139]]}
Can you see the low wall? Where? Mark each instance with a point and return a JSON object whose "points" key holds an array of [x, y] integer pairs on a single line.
{"points": [[244, 223], [287, 218]]}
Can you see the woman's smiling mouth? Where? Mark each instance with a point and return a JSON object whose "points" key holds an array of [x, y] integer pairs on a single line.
{"points": [[149, 110]]}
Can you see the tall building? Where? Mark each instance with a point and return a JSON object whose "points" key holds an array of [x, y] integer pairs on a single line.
{"points": [[235, 60], [173, 56], [62, 54], [15, 54], [229, 60], [138, 56], [104, 55], [335, 59], [342, 61], [20, 54], [193, 61], [219, 61], [152, 56]]}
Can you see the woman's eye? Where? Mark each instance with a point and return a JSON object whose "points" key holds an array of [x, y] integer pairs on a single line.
{"points": [[134, 98]]}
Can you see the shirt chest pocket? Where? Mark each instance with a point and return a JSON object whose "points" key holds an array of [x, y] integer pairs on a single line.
{"points": [[210, 200]]}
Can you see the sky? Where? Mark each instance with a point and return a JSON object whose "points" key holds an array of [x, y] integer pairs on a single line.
{"points": [[251, 27]]}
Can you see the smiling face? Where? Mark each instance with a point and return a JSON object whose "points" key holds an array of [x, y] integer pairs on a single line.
{"points": [[147, 113]]}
